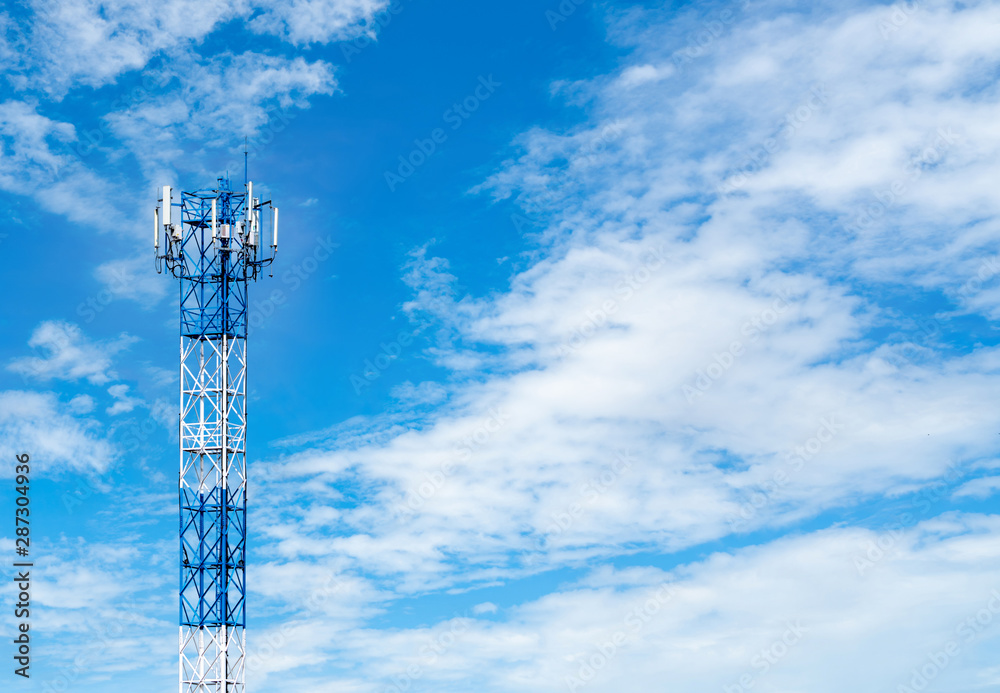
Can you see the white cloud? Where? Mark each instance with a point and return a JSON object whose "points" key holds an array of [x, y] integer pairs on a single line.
{"points": [[123, 402], [37, 161], [81, 404], [641, 74], [73, 43], [784, 616], [423, 393], [57, 440], [316, 21], [983, 487], [92, 42], [216, 97], [130, 278], [69, 355], [594, 390], [27, 137]]}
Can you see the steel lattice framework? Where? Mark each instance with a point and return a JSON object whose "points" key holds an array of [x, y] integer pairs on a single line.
{"points": [[215, 253]]}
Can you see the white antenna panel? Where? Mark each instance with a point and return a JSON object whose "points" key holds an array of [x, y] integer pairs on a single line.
{"points": [[166, 205]]}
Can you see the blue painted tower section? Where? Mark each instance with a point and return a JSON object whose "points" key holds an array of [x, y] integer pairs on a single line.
{"points": [[213, 281]]}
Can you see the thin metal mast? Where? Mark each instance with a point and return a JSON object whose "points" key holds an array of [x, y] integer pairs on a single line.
{"points": [[215, 251]]}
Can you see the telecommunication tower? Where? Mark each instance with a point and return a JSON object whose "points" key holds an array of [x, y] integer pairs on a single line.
{"points": [[211, 242]]}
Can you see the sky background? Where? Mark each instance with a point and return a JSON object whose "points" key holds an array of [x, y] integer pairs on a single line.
{"points": [[671, 367]]}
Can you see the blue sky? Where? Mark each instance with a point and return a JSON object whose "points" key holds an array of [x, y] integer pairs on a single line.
{"points": [[611, 346]]}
